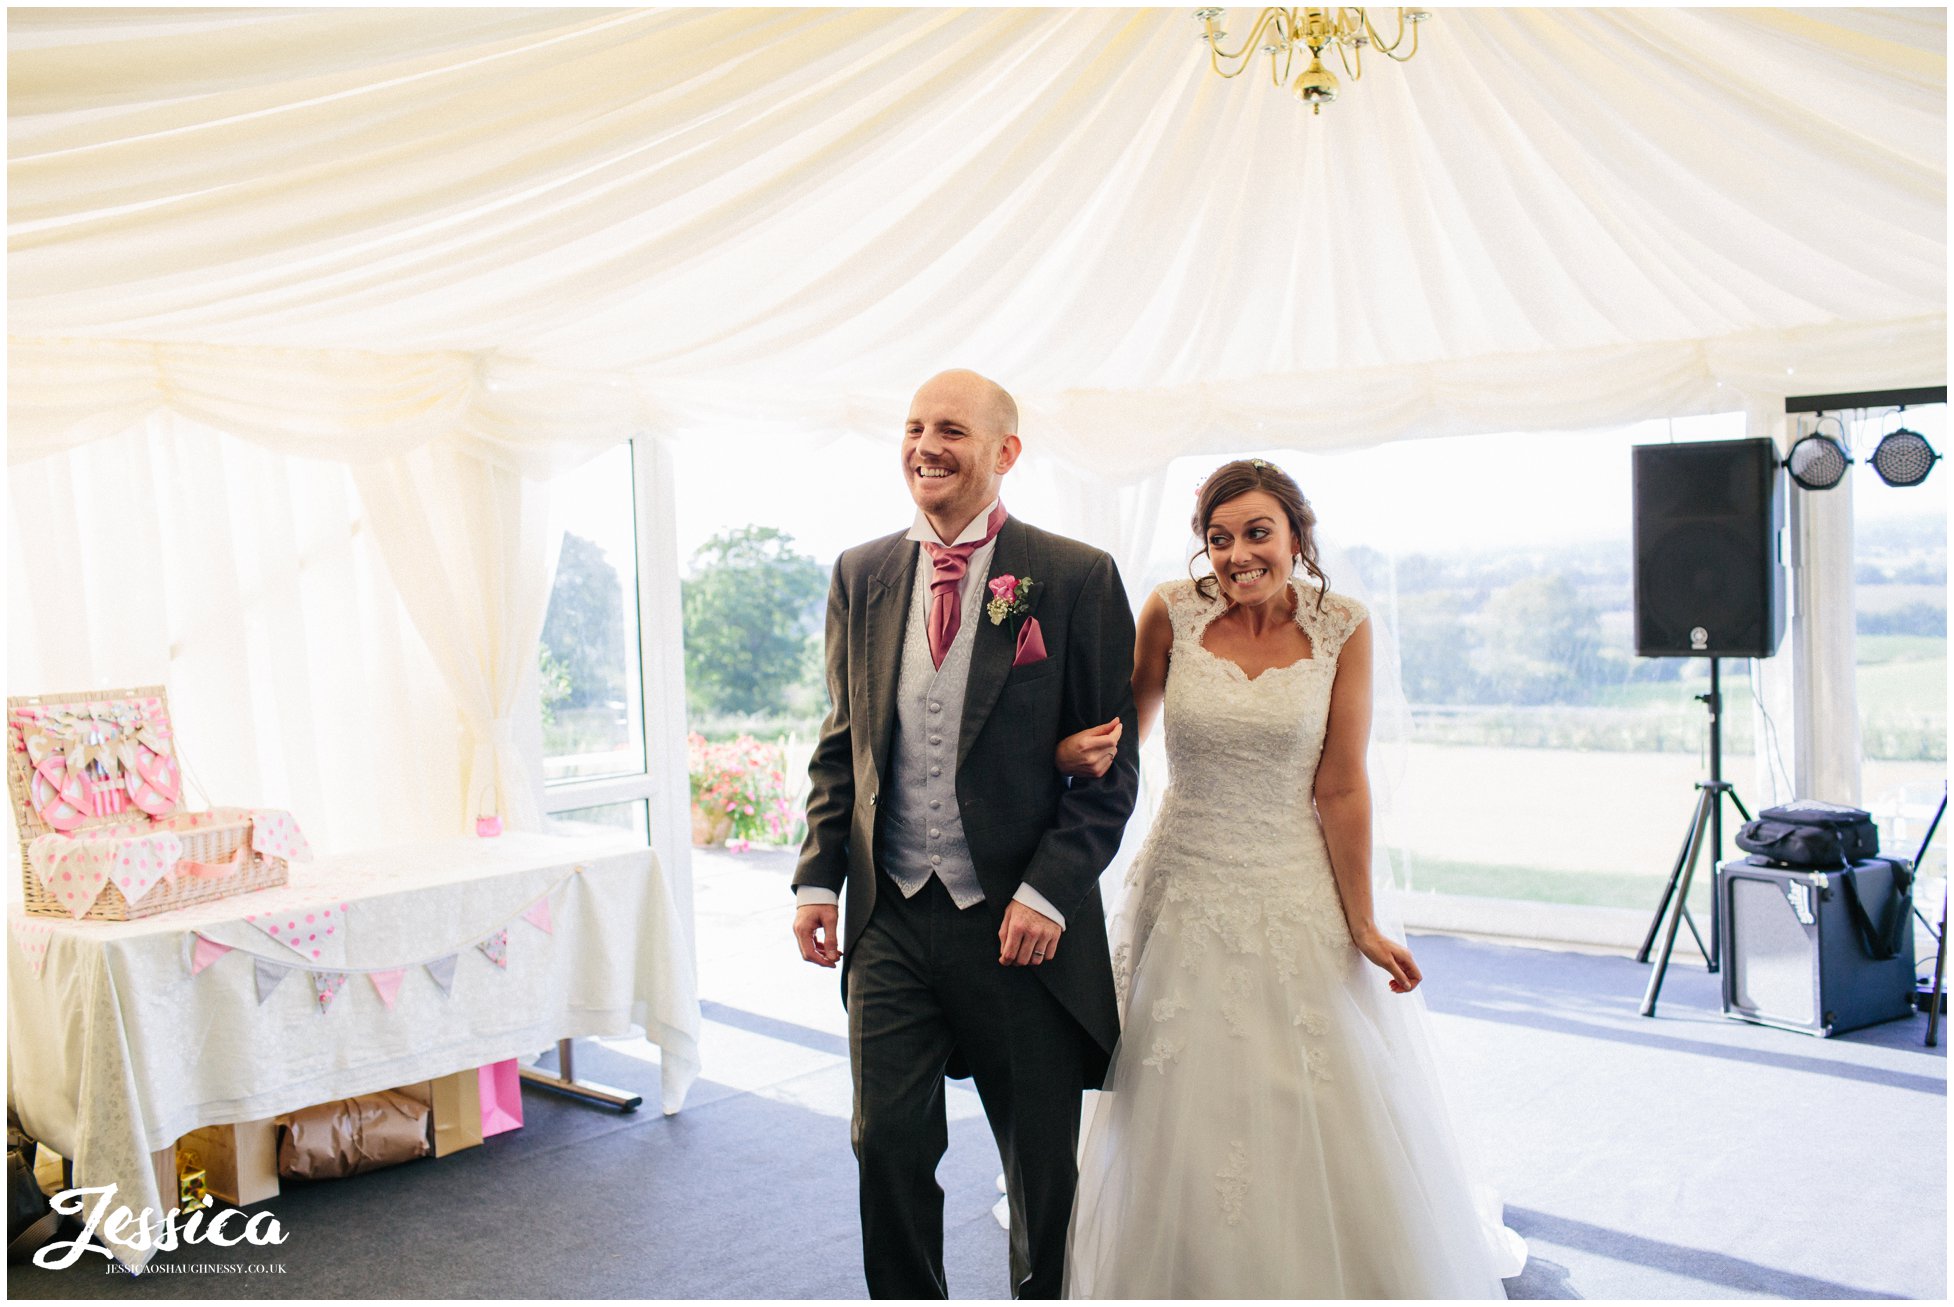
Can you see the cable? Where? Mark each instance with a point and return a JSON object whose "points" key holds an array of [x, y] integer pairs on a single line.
{"points": [[1776, 754]]}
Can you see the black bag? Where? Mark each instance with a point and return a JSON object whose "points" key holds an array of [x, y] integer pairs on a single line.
{"points": [[1882, 942], [1810, 834], [30, 1221]]}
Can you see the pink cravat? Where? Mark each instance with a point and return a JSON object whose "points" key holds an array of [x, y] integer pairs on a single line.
{"points": [[948, 564]]}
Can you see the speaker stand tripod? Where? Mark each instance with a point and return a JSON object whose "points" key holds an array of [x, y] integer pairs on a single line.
{"points": [[1940, 936], [1706, 821]]}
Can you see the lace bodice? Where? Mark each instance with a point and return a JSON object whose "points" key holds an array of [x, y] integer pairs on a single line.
{"points": [[1236, 842], [1233, 739]]}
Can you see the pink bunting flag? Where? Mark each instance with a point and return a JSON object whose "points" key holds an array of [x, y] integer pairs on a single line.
{"points": [[387, 984], [32, 938], [538, 916], [206, 952]]}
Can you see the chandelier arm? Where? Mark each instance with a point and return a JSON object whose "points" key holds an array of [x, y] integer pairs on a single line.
{"points": [[1377, 38], [1392, 49], [1254, 34], [1343, 53]]}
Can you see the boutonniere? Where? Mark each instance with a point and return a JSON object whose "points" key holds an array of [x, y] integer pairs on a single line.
{"points": [[1010, 597]]}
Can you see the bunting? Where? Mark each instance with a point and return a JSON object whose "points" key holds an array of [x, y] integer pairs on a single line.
{"points": [[269, 976], [387, 984], [496, 948], [443, 972], [204, 952], [31, 938], [319, 933], [326, 986]]}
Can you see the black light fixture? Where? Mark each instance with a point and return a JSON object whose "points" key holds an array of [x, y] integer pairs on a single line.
{"points": [[1819, 462], [1904, 458]]}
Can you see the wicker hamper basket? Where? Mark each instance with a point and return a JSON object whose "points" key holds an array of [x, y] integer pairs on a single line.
{"points": [[209, 838]]}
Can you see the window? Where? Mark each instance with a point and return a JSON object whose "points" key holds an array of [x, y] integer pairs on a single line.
{"points": [[1900, 598], [1545, 761], [591, 660]]}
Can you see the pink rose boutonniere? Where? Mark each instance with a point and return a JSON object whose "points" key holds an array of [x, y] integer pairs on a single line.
{"points": [[1010, 597]]}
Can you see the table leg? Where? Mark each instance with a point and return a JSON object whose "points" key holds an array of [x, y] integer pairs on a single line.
{"points": [[565, 1082]]}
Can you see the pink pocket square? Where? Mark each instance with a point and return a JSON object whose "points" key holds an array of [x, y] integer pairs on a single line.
{"points": [[1031, 644]]}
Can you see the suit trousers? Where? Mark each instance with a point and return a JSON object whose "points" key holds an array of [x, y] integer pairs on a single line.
{"points": [[924, 983]]}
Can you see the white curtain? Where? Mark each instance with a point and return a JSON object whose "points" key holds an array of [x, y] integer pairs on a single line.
{"points": [[467, 540], [251, 584]]}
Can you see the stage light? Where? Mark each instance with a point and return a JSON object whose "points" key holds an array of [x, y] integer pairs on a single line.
{"points": [[1904, 458], [1819, 462]]}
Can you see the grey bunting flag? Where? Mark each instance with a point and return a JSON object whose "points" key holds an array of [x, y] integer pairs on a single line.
{"points": [[269, 974], [443, 971]]}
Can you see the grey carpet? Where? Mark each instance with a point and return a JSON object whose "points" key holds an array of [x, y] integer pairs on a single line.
{"points": [[1688, 1156]]}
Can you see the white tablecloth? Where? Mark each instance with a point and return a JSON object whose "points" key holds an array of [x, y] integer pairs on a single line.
{"points": [[117, 1050]]}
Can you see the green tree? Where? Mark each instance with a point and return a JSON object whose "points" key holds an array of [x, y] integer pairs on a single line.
{"points": [[583, 633], [1435, 648], [1539, 642], [750, 605]]}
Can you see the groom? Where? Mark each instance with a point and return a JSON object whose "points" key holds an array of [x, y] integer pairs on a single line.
{"points": [[976, 944]]}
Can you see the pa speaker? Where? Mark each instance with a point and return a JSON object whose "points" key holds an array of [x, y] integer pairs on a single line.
{"points": [[1796, 956], [1708, 580]]}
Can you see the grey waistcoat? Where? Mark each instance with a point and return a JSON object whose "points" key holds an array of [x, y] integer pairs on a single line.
{"points": [[922, 833]]}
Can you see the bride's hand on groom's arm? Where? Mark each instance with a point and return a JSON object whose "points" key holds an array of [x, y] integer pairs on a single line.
{"points": [[1091, 751], [1390, 955]]}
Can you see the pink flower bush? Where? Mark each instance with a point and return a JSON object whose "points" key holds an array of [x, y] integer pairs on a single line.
{"points": [[746, 779]]}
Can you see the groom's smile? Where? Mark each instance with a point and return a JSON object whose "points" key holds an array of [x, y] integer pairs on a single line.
{"points": [[957, 444]]}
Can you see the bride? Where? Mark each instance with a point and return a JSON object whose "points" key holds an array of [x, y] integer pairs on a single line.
{"points": [[1272, 1124]]}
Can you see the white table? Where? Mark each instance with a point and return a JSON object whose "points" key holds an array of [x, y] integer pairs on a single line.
{"points": [[117, 1049]]}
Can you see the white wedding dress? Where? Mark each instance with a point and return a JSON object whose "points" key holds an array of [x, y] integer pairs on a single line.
{"points": [[1273, 1125]]}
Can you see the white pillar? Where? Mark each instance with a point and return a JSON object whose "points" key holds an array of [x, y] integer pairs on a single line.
{"points": [[659, 623], [1810, 690]]}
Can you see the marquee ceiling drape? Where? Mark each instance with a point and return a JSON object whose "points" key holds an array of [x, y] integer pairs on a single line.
{"points": [[343, 230]]}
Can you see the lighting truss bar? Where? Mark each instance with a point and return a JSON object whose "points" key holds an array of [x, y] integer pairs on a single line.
{"points": [[1865, 399]]}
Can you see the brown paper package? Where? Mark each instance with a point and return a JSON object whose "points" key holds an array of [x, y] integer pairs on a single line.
{"points": [[352, 1135]]}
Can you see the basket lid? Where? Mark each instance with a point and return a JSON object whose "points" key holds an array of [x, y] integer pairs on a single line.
{"points": [[92, 758]]}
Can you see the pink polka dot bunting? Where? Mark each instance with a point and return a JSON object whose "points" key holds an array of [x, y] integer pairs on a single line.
{"points": [[275, 834], [32, 939]]}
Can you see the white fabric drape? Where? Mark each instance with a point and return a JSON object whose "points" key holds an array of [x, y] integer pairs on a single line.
{"points": [[467, 541], [1550, 218], [352, 405], [250, 584]]}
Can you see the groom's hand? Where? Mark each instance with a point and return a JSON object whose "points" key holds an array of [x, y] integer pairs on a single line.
{"points": [[814, 929], [1028, 937]]}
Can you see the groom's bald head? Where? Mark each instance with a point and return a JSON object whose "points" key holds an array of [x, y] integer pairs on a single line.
{"points": [[985, 396]]}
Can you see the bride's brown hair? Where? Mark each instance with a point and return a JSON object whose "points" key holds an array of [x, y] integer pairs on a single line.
{"points": [[1232, 481]]}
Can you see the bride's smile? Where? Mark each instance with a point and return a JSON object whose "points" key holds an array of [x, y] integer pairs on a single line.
{"points": [[1251, 549]]}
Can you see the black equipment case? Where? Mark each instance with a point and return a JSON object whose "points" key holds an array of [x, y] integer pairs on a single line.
{"points": [[1822, 952]]}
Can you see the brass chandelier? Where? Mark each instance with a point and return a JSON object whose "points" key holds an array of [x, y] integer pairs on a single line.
{"points": [[1280, 33]]}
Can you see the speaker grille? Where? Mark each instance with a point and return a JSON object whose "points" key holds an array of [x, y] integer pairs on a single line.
{"points": [[1771, 955], [1707, 579]]}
